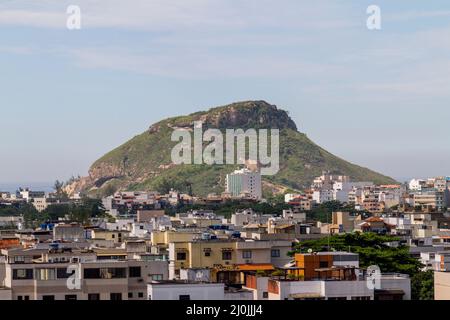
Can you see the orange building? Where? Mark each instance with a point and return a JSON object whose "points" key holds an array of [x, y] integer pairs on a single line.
{"points": [[307, 264], [315, 266]]}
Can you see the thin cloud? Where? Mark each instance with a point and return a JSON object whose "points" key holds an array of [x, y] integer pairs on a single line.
{"points": [[194, 65]]}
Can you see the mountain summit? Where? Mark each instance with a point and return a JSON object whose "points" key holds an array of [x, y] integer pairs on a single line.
{"points": [[144, 162]]}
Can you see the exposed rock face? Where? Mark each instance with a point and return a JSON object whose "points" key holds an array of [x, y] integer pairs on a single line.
{"points": [[144, 162], [249, 114]]}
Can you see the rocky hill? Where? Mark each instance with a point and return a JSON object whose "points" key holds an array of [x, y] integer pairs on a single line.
{"points": [[144, 162]]}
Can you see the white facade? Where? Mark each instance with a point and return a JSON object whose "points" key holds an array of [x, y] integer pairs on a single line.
{"points": [[244, 181], [322, 196], [322, 289], [416, 184], [185, 291], [291, 196]]}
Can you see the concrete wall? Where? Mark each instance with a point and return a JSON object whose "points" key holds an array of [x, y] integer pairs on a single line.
{"points": [[195, 291], [442, 286], [5, 294], [348, 289], [397, 283]]}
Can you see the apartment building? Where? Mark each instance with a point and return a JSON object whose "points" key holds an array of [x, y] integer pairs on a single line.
{"points": [[228, 258], [43, 203], [327, 276], [244, 182], [343, 222], [326, 180], [69, 232], [430, 199], [116, 236], [28, 195], [66, 274], [184, 290], [164, 238], [323, 195]]}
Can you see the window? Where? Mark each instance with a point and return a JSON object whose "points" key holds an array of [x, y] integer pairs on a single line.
{"points": [[61, 273], [135, 272], [247, 254], [113, 273], [181, 256], [207, 252], [226, 255], [94, 297], [185, 297], [265, 295], [19, 259], [45, 274], [275, 253], [157, 277], [21, 298], [130, 295], [105, 273], [116, 296], [71, 297], [22, 274], [48, 298], [360, 298], [323, 264], [141, 295], [338, 298]]}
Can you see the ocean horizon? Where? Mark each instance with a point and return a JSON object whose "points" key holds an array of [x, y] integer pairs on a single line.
{"points": [[35, 186]]}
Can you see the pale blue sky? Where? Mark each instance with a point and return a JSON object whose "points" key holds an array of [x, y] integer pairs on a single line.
{"points": [[376, 98]]}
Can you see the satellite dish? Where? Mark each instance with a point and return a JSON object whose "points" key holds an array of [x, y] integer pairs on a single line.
{"points": [[310, 250], [199, 275]]}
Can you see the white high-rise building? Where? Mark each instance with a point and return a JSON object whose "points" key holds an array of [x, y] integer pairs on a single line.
{"points": [[244, 182]]}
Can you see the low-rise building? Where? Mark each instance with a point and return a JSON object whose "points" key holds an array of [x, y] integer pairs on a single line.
{"points": [[181, 290], [229, 259], [65, 274]]}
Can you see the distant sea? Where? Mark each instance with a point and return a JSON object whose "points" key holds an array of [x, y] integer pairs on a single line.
{"points": [[35, 186]]}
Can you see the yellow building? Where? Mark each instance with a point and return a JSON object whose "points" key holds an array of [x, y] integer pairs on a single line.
{"points": [[228, 258], [163, 238], [116, 236]]}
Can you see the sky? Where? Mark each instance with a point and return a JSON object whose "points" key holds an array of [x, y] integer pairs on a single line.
{"points": [[378, 98]]}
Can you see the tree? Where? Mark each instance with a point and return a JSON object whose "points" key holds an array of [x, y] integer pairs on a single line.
{"points": [[371, 248], [55, 211], [422, 286], [59, 189], [30, 215], [324, 211]]}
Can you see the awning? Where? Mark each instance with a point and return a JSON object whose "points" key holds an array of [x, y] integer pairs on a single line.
{"points": [[255, 267]]}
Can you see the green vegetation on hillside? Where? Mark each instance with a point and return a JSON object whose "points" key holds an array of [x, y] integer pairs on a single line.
{"points": [[144, 162]]}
